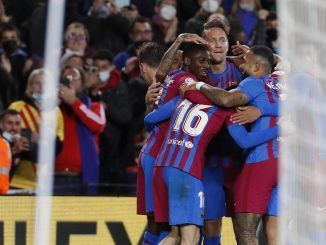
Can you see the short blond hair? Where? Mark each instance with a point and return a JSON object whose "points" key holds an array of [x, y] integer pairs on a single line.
{"points": [[76, 25]]}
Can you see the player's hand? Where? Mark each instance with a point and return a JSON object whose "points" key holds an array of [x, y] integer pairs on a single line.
{"points": [[153, 94], [187, 87], [237, 60], [189, 37], [239, 49], [246, 114]]}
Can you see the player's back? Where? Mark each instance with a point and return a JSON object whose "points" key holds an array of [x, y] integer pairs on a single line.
{"points": [[170, 89], [191, 128]]}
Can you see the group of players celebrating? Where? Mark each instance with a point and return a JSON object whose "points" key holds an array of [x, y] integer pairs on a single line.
{"points": [[192, 170]]}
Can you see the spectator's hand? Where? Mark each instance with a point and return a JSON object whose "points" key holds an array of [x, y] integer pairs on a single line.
{"points": [[35, 137], [239, 49], [262, 14], [130, 64], [246, 114], [27, 66], [172, 31], [153, 94], [67, 95], [20, 144], [189, 37], [6, 63]]}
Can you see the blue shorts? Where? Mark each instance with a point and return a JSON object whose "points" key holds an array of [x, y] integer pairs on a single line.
{"points": [[214, 192], [185, 197], [272, 208]]}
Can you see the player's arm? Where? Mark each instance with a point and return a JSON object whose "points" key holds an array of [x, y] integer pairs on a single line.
{"points": [[222, 97], [161, 114], [249, 114], [168, 58], [247, 139]]}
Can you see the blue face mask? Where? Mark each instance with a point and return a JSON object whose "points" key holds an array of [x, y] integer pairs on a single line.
{"points": [[37, 97], [104, 11]]}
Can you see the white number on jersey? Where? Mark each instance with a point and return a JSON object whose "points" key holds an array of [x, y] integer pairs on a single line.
{"points": [[188, 118]]}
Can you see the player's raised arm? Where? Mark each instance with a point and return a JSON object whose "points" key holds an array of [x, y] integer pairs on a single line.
{"points": [[168, 58]]}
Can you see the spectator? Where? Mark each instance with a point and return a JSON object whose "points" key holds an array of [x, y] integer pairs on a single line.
{"points": [[245, 12], [109, 75], [114, 149], [29, 108], [74, 59], [77, 165], [108, 26], [126, 61], [196, 23], [76, 37], [14, 60], [23, 149], [165, 21]]}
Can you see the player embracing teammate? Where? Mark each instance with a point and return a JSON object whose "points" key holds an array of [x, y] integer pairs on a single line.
{"points": [[221, 73]]}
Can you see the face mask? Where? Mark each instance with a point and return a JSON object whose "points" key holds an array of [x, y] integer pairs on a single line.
{"points": [[168, 12], [69, 51], [247, 6], [104, 76], [9, 137], [210, 6], [37, 97], [104, 11], [10, 46]]}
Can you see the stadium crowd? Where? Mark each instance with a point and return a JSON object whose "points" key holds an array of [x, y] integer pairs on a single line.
{"points": [[118, 64]]}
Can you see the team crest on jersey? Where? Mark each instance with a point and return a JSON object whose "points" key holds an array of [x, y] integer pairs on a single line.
{"points": [[189, 80]]}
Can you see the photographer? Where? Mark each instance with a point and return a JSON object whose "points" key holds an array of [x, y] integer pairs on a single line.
{"points": [[29, 108], [77, 166], [22, 147]]}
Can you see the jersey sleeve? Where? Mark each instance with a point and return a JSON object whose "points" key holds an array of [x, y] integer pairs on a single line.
{"points": [[161, 114], [93, 118], [269, 109], [247, 139], [251, 87], [197, 97], [185, 78]]}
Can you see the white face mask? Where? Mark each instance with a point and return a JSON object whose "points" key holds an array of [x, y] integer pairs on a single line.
{"points": [[168, 12], [210, 6], [104, 76], [37, 97], [9, 137], [247, 6]]}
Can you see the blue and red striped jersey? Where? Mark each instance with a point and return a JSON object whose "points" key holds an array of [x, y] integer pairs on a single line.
{"points": [[192, 126], [261, 92], [170, 87], [222, 150]]}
